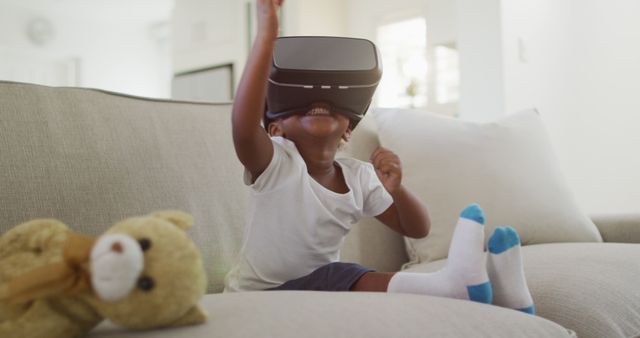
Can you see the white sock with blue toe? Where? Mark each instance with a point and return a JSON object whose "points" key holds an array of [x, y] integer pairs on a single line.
{"points": [[504, 265], [465, 275]]}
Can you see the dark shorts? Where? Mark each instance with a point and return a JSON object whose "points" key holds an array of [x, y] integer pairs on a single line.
{"points": [[331, 277]]}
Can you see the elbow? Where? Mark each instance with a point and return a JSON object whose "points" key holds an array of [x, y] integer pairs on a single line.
{"points": [[422, 231], [421, 234]]}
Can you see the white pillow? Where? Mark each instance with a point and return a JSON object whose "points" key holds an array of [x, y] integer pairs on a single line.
{"points": [[508, 167]]}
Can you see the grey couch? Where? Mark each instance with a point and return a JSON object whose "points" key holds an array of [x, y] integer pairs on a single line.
{"points": [[91, 158]]}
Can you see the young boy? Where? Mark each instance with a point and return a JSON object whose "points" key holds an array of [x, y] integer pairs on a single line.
{"points": [[304, 200]]}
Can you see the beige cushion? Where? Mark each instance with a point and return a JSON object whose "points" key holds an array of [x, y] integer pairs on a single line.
{"points": [[288, 314], [591, 288], [623, 228], [507, 166], [370, 242], [92, 158]]}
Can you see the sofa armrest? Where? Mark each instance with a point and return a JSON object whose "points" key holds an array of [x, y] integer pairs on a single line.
{"points": [[623, 228]]}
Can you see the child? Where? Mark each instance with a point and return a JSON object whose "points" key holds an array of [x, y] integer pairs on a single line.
{"points": [[304, 200]]}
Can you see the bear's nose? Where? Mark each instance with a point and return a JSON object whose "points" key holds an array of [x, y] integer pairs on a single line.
{"points": [[116, 247]]}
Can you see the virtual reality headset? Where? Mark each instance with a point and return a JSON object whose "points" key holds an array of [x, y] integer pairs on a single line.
{"points": [[342, 73]]}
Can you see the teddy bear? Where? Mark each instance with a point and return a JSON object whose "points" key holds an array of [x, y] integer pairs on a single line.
{"points": [[143, 272]]}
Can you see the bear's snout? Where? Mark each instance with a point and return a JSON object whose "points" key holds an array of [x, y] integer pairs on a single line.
{"points": [[116, 263]]}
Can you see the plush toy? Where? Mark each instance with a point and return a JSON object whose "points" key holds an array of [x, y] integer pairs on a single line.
{"points": [[144, 272]]}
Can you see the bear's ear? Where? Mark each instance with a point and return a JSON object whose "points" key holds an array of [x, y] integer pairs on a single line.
{"points": [[181, 219], [195, 315]]}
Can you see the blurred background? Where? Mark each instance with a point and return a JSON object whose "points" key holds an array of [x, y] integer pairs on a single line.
{"points": [[576, 61]]}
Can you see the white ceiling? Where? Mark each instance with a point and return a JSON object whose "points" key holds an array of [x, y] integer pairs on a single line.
{"points": [[144, 10]]}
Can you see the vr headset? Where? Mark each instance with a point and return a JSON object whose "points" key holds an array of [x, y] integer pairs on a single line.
{"points": [[342, 73]]}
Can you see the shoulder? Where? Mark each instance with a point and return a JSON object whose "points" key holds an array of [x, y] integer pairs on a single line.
{"points": [[285, 165], [285, 150]]}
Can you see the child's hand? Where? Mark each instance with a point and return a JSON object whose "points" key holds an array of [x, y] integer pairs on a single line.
{"points": [[388, 168], [268, 17]]}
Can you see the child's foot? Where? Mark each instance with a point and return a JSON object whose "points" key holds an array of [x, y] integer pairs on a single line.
{"points": [[504, 265], [465, 275]]}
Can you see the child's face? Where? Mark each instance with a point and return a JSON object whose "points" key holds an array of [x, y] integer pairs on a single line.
{"points": [[318, 122]]}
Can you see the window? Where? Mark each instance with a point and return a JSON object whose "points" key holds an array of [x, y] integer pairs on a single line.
{"points": [[447, 69], [403, 47]]}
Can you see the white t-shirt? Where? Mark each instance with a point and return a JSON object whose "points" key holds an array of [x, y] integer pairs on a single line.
{"points": [[295, 225]]}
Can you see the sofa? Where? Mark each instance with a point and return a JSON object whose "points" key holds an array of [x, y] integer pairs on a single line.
{"points": [[91, 158]]}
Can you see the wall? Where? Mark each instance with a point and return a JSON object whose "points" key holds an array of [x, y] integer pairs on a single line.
{"points": [[578, 62], [479, 43], [123, 56], [327, 17], [216, 32], [363, 16], [210, 33]]}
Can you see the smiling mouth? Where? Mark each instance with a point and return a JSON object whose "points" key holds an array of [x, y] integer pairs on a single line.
{"points": [[319, 110]]}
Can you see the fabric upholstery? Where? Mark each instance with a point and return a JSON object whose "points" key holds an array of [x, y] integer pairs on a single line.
{"points": [[340, 314], [590, 288], [370, 242], [618, 228], [92, 158], [508, 167]]}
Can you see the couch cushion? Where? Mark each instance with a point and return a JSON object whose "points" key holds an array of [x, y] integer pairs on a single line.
{"points": [[508, 167], [91, 158], [350, 314], [370, 242], [591, 288]]}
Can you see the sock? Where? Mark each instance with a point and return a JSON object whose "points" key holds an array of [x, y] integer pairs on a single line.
{"points": [[504, 266], [465, 275]]}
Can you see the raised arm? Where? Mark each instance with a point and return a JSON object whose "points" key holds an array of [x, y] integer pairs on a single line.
{"points": [[252, 144], [407, 215]]}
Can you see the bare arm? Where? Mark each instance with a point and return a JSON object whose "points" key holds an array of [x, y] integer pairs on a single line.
{"points": [[407, 215], [252, 144]]}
